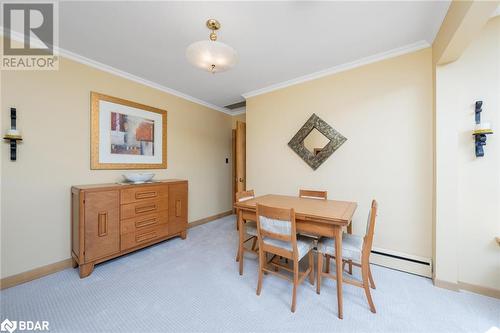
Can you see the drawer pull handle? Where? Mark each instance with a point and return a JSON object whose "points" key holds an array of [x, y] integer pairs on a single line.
{"points": [[178, 208], [102, 224], [145, 195], [145, 237], [145, 223], [145, 209]]}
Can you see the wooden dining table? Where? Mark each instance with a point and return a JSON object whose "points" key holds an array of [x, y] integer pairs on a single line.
{"points": [[314, 217]]}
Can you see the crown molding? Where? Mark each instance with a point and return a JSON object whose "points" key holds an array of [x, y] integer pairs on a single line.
{"points": [[329, 71], [341, 68], [138, 79], [112, 70]]}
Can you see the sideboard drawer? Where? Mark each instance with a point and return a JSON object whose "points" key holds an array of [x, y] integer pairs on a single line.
{"points": [[140, 222], [143, 193], [143, 236], [143, 208]]}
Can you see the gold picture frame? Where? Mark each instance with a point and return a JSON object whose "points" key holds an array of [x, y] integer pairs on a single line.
{"points": [[97, 134]]}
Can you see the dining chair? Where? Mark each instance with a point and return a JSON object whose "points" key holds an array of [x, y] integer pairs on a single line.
{"points": [[313, 194], [249, 229], [277, 235], [356, 249], [243, 196]]}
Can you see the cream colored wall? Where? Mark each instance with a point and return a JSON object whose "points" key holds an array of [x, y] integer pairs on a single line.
{"points": [[385, 111], [470, 206], [54, 117]]}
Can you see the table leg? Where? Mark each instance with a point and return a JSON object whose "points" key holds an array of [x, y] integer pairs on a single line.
{"points": [[338, 264], [349, 231], [240, 242]]}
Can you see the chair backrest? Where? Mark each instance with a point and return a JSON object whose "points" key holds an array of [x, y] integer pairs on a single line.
{"points": [[370, 228], [312, 194], [245, 195], [277, 223]]}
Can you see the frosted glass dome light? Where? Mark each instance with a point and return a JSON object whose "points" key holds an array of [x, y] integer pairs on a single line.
{"points": [[211, 55]]}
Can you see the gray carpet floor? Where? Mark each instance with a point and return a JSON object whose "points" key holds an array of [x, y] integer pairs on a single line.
{"points": [[194, 286]]}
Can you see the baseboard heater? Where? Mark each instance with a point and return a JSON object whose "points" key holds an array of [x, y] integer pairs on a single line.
{"points": [[402, 261]]}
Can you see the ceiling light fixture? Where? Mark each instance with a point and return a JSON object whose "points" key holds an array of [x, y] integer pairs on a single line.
{"points": [[212, 55]]}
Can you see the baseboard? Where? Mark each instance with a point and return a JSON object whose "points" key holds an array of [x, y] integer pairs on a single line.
{"points": [[446, 285], [209, 219], [490, 292], [39, 272], [495, 293], [402, 261], [34, 274]]}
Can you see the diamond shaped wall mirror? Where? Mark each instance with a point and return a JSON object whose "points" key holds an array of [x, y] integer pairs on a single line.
{"points": [[316, 141]]}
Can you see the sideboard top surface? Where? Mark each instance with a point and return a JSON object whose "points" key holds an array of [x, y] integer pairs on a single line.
{"points": [[123, 185]]}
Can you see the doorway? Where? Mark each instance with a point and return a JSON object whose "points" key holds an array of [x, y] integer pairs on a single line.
{"points": [[239, 158]]}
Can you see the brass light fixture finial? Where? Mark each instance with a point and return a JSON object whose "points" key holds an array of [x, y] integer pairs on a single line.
{"points": [[213, 25]]}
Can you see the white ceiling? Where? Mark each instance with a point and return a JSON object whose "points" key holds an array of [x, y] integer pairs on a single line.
{"points": [[276, 41]]}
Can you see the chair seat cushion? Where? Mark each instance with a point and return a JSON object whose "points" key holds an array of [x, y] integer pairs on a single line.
{"points": [[304, 245], [352, 246], [251, 228]]}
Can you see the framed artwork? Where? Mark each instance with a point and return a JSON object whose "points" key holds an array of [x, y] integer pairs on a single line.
{"points": [[126, 135]]}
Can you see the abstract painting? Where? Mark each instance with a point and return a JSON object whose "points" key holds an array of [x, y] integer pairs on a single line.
{"points": [[127, 135]]}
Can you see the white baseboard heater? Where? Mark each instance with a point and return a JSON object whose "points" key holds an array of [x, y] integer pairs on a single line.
{"points": [[402, 261]]}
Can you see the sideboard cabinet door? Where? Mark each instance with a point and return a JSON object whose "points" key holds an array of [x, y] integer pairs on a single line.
{"points": [[177, 207], [102, 224]]}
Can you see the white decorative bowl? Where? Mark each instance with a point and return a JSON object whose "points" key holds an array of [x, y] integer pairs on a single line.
{"points": [[138, 177]]}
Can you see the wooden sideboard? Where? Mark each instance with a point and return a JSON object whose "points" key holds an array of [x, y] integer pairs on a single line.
{"points": [[110, 220]]}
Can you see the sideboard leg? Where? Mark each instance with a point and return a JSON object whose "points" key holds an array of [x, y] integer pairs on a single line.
{"points": [[86, 270], [183, 234], [74, 263]]}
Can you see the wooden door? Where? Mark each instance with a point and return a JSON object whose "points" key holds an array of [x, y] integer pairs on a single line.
{"points": [[241, 154], [177, 207], [102, 224], [233, 167]]}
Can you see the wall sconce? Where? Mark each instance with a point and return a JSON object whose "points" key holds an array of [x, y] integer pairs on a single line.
{"points": [[13, 135], [481, 130]]}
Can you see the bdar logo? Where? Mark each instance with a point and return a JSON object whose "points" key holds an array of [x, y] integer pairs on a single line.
{"points": [[8, 325], [24, 325]]}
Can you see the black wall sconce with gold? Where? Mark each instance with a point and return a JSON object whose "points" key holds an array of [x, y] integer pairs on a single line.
{"points": [[482, 129], [13, 135]]}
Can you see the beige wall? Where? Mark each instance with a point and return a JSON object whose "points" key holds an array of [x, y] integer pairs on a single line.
{"points": [[468, 205], [54, 117], [385, 111]]}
